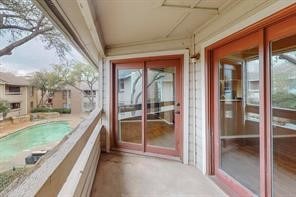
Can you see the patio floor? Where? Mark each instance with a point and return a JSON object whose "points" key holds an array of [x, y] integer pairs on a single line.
{"points": [[123, 174]]}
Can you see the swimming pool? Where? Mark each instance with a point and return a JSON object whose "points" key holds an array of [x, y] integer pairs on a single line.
{"points": [[32, 137]]}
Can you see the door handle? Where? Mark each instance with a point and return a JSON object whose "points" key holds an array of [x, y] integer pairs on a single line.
{"points": [[177, 111]]}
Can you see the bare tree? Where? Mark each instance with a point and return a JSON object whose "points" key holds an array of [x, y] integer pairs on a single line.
{"points": [[155, 78], [47, 82], [134, 86], [21, 21], [39, 81], [77, 74]]}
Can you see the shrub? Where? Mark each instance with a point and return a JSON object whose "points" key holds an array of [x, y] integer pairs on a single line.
{"points": [[45, 109], [284, 100], [40, 109], [62, 110], [4, 108]]}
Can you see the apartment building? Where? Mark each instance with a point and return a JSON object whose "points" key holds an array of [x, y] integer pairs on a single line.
{"points": [[77, 99], [16, 90], [60, 98]]}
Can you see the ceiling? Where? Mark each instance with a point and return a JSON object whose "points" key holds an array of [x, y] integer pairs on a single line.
{"points": [[103, 28], [123, 22]]}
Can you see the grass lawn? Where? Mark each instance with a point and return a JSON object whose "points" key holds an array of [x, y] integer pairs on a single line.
{"points": [[9, 176]]}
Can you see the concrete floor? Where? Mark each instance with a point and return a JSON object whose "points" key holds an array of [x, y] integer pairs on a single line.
{"points": [[129, 175]]}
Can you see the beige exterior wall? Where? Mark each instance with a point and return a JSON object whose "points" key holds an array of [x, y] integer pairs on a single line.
{"points": [[32, 100], [59, 100], [2, 90], [21, 98], [75, 101]]}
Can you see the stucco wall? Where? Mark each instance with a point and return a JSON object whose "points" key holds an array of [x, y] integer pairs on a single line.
{"points": [[58, 100], [32, 97], [75, 101], [22, 99]]}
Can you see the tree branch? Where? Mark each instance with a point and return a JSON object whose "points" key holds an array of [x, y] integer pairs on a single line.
{"points": [[16, 27], [8, 49], [155, 78], [288, 58]]}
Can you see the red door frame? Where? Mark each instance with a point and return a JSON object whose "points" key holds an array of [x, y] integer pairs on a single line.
{"points": [[132, 65], [249, 41], [164, 63], [274, 27], [144, 63]]}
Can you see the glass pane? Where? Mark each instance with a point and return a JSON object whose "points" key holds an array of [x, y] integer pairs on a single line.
{"points": [[129, 93], [283, 80], [239, 117], [160, 107]]}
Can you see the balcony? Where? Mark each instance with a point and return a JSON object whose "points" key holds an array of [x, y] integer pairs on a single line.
{"points": [[122, 174], [157, 72], [12, 93], [72, 170]]}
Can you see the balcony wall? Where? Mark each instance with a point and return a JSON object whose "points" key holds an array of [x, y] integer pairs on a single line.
{"points": [[68, 170]]}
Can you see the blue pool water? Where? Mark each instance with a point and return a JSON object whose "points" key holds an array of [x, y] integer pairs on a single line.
{"points": [[32, 137]]}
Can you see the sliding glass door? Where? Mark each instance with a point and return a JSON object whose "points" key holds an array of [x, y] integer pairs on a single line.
{"points": [[149, 106], [129, 105], [237, 68], [254, 104], [282, 46]]}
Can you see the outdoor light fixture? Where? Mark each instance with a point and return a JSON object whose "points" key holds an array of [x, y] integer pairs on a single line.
{"points": [[195, 57]]}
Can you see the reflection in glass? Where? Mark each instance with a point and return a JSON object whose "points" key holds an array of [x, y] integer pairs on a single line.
{"points": [[160, 107], [129, 99], [239, 117], [283, 80]]}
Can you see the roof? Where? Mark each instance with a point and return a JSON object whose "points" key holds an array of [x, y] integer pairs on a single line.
{"points": [[11, 79]]}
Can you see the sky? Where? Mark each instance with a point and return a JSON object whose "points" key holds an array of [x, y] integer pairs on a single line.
{"points": [[32, 56]]}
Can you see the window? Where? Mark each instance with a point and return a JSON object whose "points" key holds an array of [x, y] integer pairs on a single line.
{"points": [[237, 135], [88, 93], [253, 115], [283, 96], [252, 82], [15, 105], [32, 104], [13, 90], [31, 91], [65, 94]]}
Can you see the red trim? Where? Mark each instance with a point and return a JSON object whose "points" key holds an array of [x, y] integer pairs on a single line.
{"points": [[133, 146], [286, 28], [277, 26], [144, 63], [249, 41], [262, 24]]}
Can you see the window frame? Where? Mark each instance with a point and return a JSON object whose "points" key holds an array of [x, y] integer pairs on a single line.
{"points": [[277, 26], [18, 104]]}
